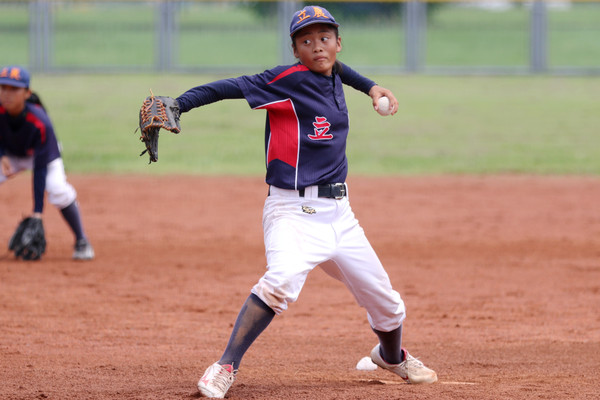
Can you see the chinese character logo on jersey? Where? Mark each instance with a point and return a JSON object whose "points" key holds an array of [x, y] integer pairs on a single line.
{"points": [[321, 129]]}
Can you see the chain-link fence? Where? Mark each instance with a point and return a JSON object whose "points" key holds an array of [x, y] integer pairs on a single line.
{"points": [[435, 36]]}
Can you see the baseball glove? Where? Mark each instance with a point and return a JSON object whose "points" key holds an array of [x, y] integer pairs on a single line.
{"points": [[157, 112], [29, 241]]}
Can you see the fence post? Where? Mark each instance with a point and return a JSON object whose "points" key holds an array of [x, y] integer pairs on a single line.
{"points": [[538, 42], [165, 28], [40, 35], [285, 10], [34, 58], [414, 19]]}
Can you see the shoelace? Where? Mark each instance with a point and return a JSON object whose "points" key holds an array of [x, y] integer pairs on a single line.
{"points": [[414, 362], [223, 379]]}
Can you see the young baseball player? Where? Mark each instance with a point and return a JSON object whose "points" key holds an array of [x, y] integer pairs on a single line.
{"points": [[307, 219], [28, 142]]}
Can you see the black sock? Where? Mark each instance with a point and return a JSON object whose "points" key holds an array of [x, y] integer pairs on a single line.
{"points": [[252, 320], [390, 345], [73, 218]]}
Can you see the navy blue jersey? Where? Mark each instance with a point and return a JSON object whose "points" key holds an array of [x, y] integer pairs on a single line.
{"points": [[307, 120], [307, 125], [30, 134]]}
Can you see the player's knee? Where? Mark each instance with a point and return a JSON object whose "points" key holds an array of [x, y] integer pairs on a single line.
{"points": [[276, 297], [61, 198]]}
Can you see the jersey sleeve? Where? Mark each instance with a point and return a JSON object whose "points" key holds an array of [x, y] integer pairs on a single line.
{"points": [[271, 85], [352, 78], [45, 150], [40, 170], [39, 186], [209, 93]]}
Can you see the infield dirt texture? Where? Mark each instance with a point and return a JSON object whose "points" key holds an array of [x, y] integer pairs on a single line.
{"points": [[500, 274]]}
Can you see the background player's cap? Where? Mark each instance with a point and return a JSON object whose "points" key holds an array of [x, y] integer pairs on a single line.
{"points": [[14, 76], [311, 15]]}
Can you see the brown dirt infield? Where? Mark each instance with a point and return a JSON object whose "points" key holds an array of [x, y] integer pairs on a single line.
{"points": [[500, 274]]}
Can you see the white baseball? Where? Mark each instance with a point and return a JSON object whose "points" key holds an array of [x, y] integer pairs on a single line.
{"points": [[365, 364], [383, 106]]}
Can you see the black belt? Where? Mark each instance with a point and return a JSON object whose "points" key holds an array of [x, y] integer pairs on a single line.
{"points": [[330, 191]]}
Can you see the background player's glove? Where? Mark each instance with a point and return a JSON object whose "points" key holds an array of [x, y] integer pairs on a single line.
{"points": [[29, 241], [157, 112]]}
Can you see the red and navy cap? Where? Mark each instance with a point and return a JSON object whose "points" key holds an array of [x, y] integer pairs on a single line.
{"points": [[311, 15], [14, 76]]}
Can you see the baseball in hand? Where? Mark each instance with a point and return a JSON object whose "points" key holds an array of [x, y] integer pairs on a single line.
{"points": [[383, 106]]}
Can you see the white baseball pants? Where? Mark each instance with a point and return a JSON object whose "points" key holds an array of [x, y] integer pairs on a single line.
{"points": [[303, 232], [60, 192]]}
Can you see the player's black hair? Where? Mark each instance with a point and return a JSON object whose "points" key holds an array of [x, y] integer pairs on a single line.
{"points": [[35, 99], [337, 67]]}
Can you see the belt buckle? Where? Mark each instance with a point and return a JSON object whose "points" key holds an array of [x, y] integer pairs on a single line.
{"points": [[339, 188]]}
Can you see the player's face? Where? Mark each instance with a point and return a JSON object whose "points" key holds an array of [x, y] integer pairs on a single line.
{"points": [[13, 98], [316, 46]]}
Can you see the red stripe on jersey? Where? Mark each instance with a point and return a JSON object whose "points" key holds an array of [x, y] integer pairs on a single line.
{"points": [[284, 125], [289, 71], [38, 124]]}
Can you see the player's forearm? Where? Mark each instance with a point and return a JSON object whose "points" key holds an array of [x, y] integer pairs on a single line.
{"points": [[39, 186], [209, 93]]}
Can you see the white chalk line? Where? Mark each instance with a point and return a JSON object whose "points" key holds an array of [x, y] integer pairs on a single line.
{"points": [[404, 383]]}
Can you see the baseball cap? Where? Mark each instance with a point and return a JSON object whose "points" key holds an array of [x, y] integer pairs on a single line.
{"points": [[311, 15], [14, 76]]}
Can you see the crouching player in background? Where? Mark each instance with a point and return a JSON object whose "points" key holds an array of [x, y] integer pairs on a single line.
{"points": [[28, 142]]}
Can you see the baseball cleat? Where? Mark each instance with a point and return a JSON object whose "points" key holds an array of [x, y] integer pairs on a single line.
{"points": [[83, 250], [217, 380], [411, 369]]}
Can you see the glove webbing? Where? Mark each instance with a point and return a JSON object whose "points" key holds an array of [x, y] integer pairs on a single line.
{"points": [[147, 114]]}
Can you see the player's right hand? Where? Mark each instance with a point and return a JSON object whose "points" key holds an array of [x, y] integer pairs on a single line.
{"points": [[6, 169], [377, 91]]}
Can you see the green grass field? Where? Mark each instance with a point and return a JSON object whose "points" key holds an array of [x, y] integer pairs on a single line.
{"points": [[446, 125]]}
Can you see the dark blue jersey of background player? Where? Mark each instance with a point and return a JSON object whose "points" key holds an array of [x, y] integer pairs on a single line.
{"points": [[307, 119], [30, 134]]}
